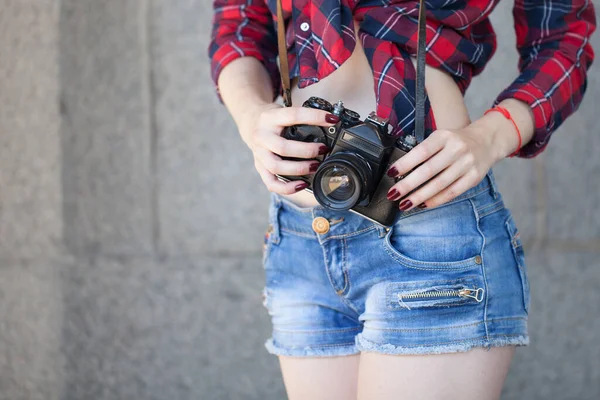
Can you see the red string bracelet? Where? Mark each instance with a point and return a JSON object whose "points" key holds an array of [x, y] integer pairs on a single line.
{"points": [[507, 115]]}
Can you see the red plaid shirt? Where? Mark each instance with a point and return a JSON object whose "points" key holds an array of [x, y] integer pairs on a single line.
{"points": [[552, 40]]}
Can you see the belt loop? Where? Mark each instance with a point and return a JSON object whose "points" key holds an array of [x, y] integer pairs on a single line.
{"points": [[493, 187], [383, 231]]}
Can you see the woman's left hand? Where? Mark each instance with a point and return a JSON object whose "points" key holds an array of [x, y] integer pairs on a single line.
{"points": [[459, 157]]}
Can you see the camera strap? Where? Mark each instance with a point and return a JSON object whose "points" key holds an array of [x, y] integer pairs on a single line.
{"points": [[420, 83], [420, 70], [283, 59]]}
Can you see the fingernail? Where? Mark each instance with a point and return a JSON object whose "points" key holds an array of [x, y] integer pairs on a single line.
{"points": [[301, 186], [392, 171], [393, 195], [323, 149], [313, 167], [331, 118], [406, 204], [422, 205]]}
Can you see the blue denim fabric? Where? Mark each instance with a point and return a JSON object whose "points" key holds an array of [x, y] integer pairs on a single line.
{"points": [[440, 280]]}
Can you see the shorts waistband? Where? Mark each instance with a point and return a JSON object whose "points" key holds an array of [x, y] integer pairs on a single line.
{"points": [[298, 220]]}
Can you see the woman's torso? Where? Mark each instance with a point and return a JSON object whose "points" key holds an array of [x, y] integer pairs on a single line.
{"points": [[353, 83]]}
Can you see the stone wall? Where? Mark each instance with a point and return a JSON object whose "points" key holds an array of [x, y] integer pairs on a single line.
{"points": [[125, 272]]}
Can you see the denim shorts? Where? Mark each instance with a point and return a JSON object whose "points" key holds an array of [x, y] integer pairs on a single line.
{"points": [[439, 280]]}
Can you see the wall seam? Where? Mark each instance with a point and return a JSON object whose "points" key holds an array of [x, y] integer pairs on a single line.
{"points": [[150, 92]]}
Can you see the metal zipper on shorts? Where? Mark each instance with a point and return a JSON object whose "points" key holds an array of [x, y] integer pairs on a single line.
{"points": [[476, 294]]}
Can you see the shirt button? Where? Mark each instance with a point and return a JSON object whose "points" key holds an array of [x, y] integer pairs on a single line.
{"points": [[320, 225], [304, 26]]}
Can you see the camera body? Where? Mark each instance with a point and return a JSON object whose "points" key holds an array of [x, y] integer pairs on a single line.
{"points": [[352, 176]]}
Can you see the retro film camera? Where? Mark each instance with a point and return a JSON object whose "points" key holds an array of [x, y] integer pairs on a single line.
{"points": [[352, 176]]}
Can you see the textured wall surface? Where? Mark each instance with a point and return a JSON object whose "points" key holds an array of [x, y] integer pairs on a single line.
{"points": [[126, 271]]}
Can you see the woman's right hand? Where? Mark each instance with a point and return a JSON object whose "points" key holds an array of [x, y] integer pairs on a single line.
{"points": [[261, 130]]}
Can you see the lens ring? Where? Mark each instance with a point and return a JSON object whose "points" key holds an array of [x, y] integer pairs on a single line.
{"points": [[338, 184]]}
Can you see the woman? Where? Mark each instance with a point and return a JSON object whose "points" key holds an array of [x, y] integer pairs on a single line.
{"points": [[434, 306]]}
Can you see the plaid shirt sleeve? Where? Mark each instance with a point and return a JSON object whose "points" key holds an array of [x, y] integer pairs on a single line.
{"points": [[243, 28], [553, 39]]}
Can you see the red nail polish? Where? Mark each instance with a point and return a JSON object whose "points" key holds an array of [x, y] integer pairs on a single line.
{"points": [[422, 205], [393, 195], [392, 171], [323, 149], [405, 205], [313, 167], [301, 186], [331, 118]]}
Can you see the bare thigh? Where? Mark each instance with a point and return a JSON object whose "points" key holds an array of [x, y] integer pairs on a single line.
{"points": [[317, 378], [477, 374]]}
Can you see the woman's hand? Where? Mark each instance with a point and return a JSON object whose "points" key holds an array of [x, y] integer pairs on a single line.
{"points": [[457, 160], [261, 130]]}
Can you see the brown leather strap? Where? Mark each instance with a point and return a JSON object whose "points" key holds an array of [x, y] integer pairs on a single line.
{"points": [[283, 59]]}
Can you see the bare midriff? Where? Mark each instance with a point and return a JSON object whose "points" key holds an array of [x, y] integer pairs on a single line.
{"points": [[353, 83]]}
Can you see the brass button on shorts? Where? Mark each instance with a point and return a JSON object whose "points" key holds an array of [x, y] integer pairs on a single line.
{"points": [[320, 225]]}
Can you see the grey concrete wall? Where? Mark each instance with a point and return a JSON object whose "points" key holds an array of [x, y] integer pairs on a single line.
{"points": [[125, 272]]}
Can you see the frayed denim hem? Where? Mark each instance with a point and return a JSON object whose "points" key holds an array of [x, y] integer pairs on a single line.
{"points": [[452, 347], [307, 351]]}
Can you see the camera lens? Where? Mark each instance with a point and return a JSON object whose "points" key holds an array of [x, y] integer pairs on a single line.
{"points": [[338, 183], [341, 181]]}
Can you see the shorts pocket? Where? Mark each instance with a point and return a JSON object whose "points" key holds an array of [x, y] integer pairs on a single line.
{"points": [[519, 255], [428, 294], [442, 238]]}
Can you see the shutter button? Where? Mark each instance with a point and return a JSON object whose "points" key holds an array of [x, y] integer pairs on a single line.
{"points": [[304, 26], [320, 225]]}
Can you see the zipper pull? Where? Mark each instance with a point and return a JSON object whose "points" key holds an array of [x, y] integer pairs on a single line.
{"points": [[476, 294]]}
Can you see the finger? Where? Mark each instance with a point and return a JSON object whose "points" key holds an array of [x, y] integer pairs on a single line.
{"points": [[292, 148], [287, 116], [421, 174], [466, 182], [443, 180], [420, 153], [273, 184], [274, 164]]}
